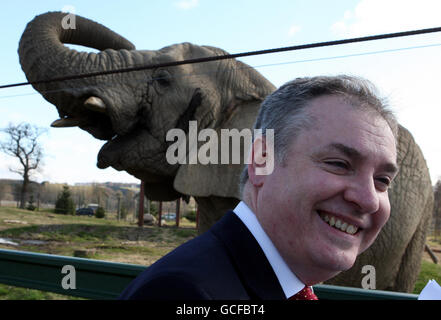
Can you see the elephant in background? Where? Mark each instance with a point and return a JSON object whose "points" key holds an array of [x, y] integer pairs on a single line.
{"points": [[133, 111]]}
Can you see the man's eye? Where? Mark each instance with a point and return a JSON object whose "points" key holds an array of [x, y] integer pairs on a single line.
{"points": [[385, 181], [338, 164]]}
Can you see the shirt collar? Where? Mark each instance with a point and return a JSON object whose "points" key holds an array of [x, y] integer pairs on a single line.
{"points": [[287, 279]]}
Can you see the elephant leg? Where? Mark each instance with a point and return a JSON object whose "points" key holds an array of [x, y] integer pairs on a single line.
{"points": [[211, 209], [411, 261]]}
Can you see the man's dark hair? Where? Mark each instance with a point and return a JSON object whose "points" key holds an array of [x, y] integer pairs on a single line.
{"points": [[284, 110]]}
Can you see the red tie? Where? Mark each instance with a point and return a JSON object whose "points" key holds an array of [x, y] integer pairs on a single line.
{"points": [[304, 294]]}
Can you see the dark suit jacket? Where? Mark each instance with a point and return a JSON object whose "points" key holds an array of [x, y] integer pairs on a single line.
{"points": [[224, 263]]}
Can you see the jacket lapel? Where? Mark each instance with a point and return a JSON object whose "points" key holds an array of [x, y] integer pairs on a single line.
{"points": [[252, 265]]}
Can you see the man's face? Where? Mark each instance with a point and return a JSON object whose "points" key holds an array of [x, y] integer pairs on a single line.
{"points": [[336, 172]]}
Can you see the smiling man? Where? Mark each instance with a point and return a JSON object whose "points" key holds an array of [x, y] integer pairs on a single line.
{"points": [[323, 204]]}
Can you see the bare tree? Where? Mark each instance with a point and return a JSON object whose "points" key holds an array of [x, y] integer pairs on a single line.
{"points": [[22, 143], [2, 192], [437, 209]]}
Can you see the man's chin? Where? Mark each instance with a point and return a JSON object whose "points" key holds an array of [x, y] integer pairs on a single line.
{"points": [[338, 261]]}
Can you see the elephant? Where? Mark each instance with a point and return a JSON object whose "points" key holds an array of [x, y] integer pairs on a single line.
{"points": [[133, 111]]}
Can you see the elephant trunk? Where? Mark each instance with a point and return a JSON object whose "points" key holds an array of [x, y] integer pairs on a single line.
{"points": [[43, 56]]}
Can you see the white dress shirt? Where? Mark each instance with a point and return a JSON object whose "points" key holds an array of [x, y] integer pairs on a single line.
{"points": [[287, 279]]}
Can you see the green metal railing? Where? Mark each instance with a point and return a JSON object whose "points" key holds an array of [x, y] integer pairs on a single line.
{"points": [[95, 279]]}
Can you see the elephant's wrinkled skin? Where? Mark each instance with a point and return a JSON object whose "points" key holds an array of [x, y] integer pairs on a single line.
{"points": [[134, 110]]}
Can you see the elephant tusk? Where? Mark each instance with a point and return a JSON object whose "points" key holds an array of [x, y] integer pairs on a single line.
{"points": [[65, 123], [95, 104]]}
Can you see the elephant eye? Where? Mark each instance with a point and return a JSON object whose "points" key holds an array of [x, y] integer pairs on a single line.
{"points": [[163, 78]]}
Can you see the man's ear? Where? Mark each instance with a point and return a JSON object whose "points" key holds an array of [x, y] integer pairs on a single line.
{"points": [[261, 159]]}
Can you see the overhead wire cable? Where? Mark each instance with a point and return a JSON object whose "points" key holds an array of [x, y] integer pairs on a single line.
{"points": [[350, 55], [260, 66], [230, 56]]}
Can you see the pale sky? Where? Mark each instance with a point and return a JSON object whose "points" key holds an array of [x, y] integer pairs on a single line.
{"points": [[410, 78]]}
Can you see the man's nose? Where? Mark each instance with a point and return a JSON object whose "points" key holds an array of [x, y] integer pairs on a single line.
{"points": [[364, 195]]}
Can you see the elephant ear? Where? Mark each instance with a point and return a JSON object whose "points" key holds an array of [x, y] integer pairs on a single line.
{"points": [[222, 180], [231, 102]]}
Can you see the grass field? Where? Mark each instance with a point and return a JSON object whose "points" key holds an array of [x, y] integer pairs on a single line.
{"points": [[429, 270], [110, 240], [103, 239]]}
